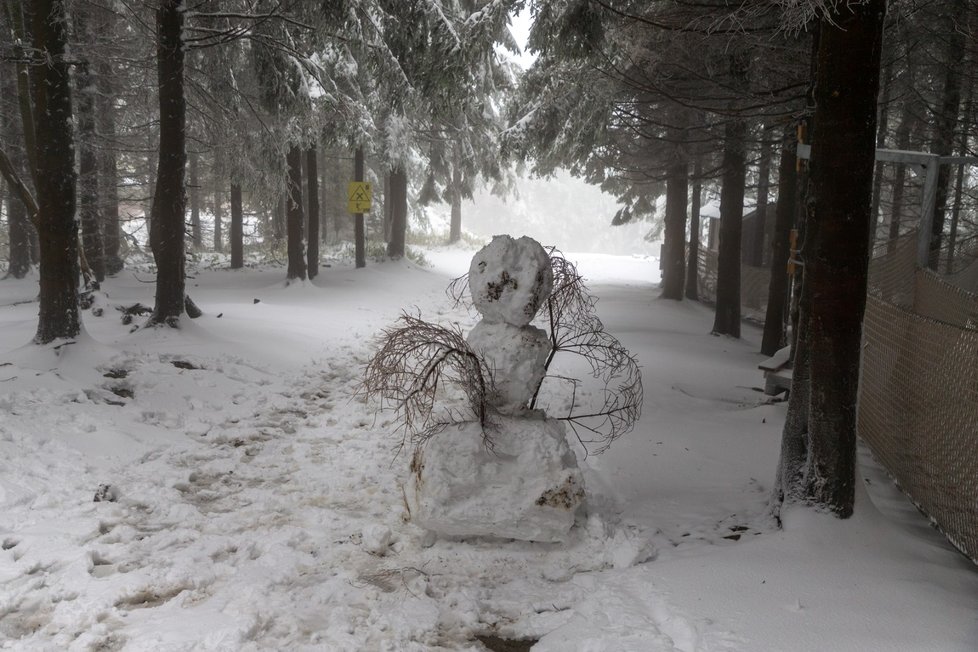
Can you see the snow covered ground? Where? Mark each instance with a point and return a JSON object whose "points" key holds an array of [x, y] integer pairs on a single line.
{"points": [[258, 502]]}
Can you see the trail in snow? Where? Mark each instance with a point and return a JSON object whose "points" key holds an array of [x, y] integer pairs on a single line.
{"points": [[259, 503]]}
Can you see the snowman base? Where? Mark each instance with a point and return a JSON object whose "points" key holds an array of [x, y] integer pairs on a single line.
{"points": [[527, 486]]}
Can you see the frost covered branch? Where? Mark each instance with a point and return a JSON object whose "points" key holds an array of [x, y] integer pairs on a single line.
{"points": [[416, 358], [574, 328]]}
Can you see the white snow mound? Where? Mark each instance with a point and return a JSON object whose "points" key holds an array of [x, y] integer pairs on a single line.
{"points": [[518, 358], [510, 279], [527, 487]]}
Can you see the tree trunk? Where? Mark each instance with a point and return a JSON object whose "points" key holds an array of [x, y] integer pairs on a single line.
{"points": [[952, 242], [843, 155], [88, 163], [19, 18], [196, 238], [18, 222], [727, 320], [789, 483], [312, 185], [19, 260], [692, 267], [882, 128], [167, 229], [296, 250], [899, 180], [947, 119], [58, 316], [108, 168], [236, 236], [24, 75], [395, 247], [327, 208], [777, 294], [674, 239], [279, 221], [218, 218], [455, 226], [760, 221], [387, 206]]}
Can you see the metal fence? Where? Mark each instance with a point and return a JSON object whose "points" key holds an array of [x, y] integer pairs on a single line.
{"points": [[918, 390], [754, 283]]}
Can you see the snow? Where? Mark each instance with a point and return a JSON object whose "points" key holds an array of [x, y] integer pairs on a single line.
{"points": [[527, 487], [508, 476], [517, 356], [509, 279], [259, 501]]}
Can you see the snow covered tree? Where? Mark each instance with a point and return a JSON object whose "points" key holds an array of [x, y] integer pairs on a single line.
{"points": [[629, 93]]}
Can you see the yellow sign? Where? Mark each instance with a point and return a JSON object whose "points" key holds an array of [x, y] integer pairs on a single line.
{"points": [[358, 197]]}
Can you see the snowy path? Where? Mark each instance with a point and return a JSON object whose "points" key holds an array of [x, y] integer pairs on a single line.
{"points": [[258, 504], [264, 531]]}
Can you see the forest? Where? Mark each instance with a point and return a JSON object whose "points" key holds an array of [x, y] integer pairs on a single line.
{"points": [[803, 174]]}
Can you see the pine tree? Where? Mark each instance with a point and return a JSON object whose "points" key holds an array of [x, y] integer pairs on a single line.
{"points": [[58, 316], [819, 447], [167, 228]]}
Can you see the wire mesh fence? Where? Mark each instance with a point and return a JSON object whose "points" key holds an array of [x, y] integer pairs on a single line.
{"points": [[754, 283], [918, 396], [918, 393]]}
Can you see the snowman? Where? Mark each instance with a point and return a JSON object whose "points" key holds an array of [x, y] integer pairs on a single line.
{"points": [[527, 484]]}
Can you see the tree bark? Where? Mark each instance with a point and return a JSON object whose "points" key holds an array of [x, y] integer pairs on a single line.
{"points": [[19, 24], [88, 162], [167, 229], [218, 218], [19, 259], [279, 221], [196, 238], [327, 208], [312, 185], [674, 238], [952, 241], [727, 319], [236, 236], [843, 155], [19, 17], [18, 222], [295, 217], [58, 316], [777, 294], [395, 246], [455, 226], [882, 128], [899, 180], [760, 222], [947, 119], [692, 267], [108, 167]]}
